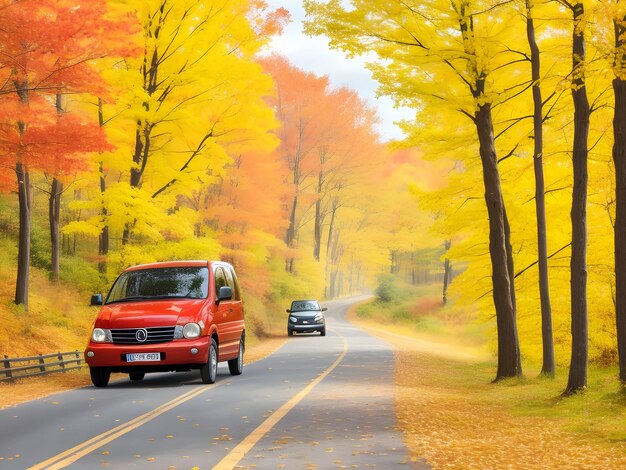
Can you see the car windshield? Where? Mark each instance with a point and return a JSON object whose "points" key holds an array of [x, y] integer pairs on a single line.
{"points": [[160, 283], [304, 305]]}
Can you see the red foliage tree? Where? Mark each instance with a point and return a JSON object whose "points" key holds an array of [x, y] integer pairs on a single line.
{"points": [[50, 47]]}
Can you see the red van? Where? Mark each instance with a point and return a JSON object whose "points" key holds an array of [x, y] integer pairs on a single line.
{"points": [[169, 316]]}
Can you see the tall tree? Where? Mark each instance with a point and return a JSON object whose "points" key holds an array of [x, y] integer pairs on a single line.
{"points": [[298, 100], [578, 366], [540, 196]]}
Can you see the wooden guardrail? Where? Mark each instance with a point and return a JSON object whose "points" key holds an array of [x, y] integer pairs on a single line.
{"points": [[19, 367]]}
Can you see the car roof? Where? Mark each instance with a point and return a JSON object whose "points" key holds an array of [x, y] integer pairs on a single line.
{"points": [[170, 264]]}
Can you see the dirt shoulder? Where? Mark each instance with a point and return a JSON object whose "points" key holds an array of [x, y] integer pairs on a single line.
{"points": [[454, 418], [20, 391]]}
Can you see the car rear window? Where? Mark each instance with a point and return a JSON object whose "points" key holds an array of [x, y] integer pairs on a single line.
{"points": [[188, 282]]}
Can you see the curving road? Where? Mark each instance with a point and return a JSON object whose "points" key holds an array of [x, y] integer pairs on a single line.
{"points": [[317, 402]]}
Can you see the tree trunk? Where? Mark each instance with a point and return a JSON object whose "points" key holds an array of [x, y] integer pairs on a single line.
{"points": [[446, 273], [619, 158], [509, 360], [54, 209], [328, 261], [578, 365], [290, 237], [511, 268], [318, 218], [292, 230], [509, 363], [24, 200], [331, 288], [103, 239], [540, 199], [23, 256]]}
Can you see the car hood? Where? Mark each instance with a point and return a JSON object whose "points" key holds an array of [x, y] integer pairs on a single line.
{"points": [[149, 313]]}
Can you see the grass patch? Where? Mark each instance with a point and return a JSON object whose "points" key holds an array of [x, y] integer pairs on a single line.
{"points": [[421, 309]]}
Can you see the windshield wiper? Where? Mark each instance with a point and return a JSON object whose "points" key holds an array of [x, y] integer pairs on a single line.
{"points": [[129, 299], [177, 296], [150, 297]]}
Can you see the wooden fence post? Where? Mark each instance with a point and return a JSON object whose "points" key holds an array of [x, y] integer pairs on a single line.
{"points": [[60, 356], [7, 367], [42, 367]]}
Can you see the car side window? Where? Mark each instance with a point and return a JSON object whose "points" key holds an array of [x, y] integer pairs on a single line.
{"points": [[220, 279], [232, 282]]}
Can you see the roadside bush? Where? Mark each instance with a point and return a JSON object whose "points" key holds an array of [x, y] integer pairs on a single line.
{"points": [[389, 289], [82, 274]]}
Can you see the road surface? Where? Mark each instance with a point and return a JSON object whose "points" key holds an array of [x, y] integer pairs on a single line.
{"points": [[317, 402]]}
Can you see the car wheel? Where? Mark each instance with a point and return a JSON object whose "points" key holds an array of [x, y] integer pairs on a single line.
{"points": [[208, 371], [136, 376], [323, 332], [235, 366], [290, 332], [100, 376]]}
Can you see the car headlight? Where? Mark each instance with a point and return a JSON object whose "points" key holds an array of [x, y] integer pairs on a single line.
{"points": [[101, 335], [319, 318], [293, 319], [191, 330]]}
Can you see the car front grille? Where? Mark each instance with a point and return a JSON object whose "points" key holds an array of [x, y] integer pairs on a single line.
{"points": [[308, 320], [159, 334]]}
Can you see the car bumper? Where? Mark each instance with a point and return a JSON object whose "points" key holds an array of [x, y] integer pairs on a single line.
{"points": [[175, 355], [305, 328]]}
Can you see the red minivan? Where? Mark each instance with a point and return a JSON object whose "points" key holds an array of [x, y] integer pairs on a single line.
{"points": [[168, 316]]}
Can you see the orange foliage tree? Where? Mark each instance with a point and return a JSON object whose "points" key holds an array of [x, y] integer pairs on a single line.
{"points": [[329, 145]]}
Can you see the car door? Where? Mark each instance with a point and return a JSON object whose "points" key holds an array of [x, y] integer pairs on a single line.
{"points": [[227, 318]]}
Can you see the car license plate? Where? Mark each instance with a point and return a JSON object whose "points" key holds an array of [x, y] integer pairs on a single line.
{"points": [[143, 357]]}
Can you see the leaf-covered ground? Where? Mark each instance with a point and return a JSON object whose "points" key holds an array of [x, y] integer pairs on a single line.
{"points": [[455, 420]]}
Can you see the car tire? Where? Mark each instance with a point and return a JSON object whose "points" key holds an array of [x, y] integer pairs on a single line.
{"points": [[235, 366], [208, 371], [323, 332], [136, 376], [100, 376], [290, 332]]}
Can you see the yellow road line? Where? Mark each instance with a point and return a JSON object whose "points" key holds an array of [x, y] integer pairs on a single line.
{"points": [[70, 456], [240, 450]]}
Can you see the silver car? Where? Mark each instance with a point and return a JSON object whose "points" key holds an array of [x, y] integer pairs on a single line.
{"points": [[306, 316]]}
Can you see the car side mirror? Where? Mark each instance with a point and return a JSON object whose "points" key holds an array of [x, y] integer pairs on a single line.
{"points": [[225, 293], [288, 310], [96, 299], [324, 309]]}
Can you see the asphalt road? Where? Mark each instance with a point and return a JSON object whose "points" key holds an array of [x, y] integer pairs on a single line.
{"points": [[317, 402]]}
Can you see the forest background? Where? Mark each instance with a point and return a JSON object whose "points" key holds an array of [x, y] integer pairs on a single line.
{"points": [[132, 134]]}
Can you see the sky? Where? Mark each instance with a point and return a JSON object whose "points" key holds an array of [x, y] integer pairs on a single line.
{"points": [[313, 55]]}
